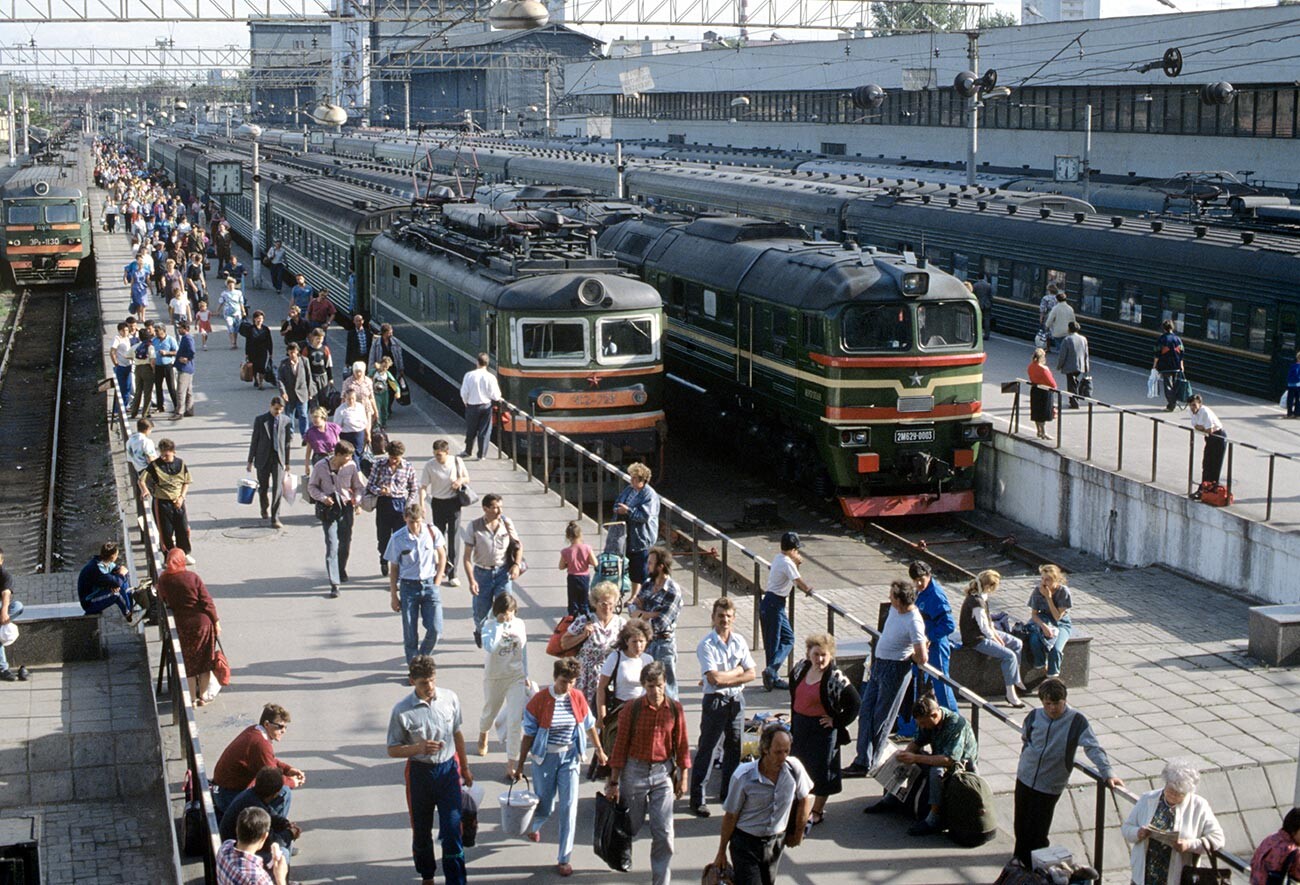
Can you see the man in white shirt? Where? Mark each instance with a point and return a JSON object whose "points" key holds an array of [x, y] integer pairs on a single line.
{"points": [[1216, 443], [726, 665], [140, 449], [778, 635], [478, 390], [120, 352]]}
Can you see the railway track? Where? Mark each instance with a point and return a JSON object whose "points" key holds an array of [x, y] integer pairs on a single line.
{"points": [[31, 397]]}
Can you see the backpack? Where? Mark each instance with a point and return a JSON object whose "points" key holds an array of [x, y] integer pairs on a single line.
{"points": [[967, 807]]}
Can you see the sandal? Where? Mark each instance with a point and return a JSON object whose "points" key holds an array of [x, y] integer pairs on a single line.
{"points": [[816, 817]]}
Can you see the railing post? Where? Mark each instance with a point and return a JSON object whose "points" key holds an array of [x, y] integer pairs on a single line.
{"points": [[528, 438], [789, 661], [582, 468], [1060, 417], [757, 624], [494, 415], [830, 619], [1230, 466], [564, 479], [1155, 447], [1015, 411], [1119, 446], [695, 562], [600, 500], [1268, 500], [546, 460], [1099, 823], [1191, 456], [726, 572], [1088, 457], [975, 720], [514, 439]]}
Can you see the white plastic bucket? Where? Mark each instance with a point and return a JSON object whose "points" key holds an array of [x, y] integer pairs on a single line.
{"points": [[517, 811], [246, 491]]}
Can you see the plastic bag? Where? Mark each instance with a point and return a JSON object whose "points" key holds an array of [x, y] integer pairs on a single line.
{"points": [[613, 836], [1282, 402], [289, 486], [1153, 385]]}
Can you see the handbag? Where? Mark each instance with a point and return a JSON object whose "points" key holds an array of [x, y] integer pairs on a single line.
{"points": [[403, 392], [613, 834], [246, 372], [465, 495], [716, 875], [191, 820], [221, 666], [328, 511], [1210, 875], [1085, 386], [368, 502], [514, 557], [553, 647]]}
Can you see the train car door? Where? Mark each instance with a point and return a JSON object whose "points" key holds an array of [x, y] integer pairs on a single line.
{"points": [[1284, 351], [745, 342]]}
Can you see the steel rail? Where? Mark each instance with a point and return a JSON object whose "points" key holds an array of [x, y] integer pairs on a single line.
{"points": [[48, 554]]}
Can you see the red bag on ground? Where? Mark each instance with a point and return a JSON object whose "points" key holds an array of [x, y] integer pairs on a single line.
{"points": [[1216, 495]]}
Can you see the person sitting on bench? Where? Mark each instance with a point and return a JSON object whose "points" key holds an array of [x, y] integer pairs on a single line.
{"points": [[103, 583]]}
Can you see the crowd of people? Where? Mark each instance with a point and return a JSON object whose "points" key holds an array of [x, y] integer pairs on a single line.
{"points": [[614, 686]]}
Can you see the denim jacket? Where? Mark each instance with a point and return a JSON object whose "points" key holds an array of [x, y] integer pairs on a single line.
{"points": [[642, 517]]}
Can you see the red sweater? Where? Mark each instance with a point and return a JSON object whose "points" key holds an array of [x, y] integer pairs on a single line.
{"points": [[246, 755]]}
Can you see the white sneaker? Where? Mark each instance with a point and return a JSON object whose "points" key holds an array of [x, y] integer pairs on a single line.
{"points": [[189, 560], [451, 582]]}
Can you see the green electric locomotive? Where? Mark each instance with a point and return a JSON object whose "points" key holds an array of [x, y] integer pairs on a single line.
{"points": [[46, 223], [847, 371]]}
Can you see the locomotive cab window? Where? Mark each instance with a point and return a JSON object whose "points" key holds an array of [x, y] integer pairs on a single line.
{"points": [[555, 342], [950, 324], [877, 327], [627, 340], [61, 213], [23, 214]]}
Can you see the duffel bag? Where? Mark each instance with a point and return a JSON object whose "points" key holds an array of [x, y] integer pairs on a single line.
{"points": [[968, 811]]}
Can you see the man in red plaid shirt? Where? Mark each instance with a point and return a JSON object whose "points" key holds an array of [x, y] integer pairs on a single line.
{"points": [[651, 759]]}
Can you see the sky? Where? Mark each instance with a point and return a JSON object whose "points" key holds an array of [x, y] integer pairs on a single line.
{"points": [[212, 35]]}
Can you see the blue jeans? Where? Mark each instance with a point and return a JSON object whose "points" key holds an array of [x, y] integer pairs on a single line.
{"points": [[778, 636], [578, 588], [1007, 655], [665, 652], [721, 718], [557, 777], [429, 789], [492, 582], [124, 387], [881, 698], [338, 543], [15, 609], [421, 601], [297, 412], [1046, 651]]}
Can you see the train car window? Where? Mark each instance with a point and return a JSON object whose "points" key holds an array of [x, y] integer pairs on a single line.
{"points": [[780, 327], [1025, 282], [473, 318], [397, 271], [1257, 331], [710, 303], [676, 296], [877, 327], [1090, 295], [1130, 303], [413, 289], [1284, 117], [1218, 320], [60, 213], [1173, 306], [949, 324], [553, 341], [23, 214], [627, 339], [992, 271], [960, 265], [814, 334], [1058, 277], [1286, 332]]}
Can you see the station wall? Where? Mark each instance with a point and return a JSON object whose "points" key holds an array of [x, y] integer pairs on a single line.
{"points": [[1133, 524]]}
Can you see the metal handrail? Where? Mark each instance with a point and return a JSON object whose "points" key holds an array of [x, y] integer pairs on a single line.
{"points": [[171, 664], [1156, 423], [833, 610]]}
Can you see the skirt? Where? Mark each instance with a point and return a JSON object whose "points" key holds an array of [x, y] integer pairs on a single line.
{"points": [[1041, 405], [816, 748]]}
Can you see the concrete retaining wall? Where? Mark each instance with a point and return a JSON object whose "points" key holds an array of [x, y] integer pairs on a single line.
{"points": [[1132, 523]]}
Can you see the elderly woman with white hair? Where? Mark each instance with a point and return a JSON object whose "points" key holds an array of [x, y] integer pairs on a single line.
{"points": [[365, 390], [1174, 809]]}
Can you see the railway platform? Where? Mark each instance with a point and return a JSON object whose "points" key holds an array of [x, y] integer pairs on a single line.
{"points": [[336, 664]]}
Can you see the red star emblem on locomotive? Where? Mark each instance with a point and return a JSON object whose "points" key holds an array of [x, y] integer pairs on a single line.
{"points": [[593, 379]]}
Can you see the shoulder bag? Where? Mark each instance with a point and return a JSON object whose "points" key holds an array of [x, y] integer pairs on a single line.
{"points": [[465, 495], [221, 666], [553, 646], [514, 551], [1211, 875]]}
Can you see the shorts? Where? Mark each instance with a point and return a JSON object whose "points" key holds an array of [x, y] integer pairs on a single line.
{"points": [[205, 326]]}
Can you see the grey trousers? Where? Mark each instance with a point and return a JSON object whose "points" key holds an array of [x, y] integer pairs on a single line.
{"points": [[184, 393], [648, 789]]}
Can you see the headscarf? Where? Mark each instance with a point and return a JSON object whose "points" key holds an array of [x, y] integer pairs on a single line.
{"points": [[175, 561]]}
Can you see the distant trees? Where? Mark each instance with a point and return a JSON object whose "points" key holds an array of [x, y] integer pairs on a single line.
{"points": [[902, 18]]}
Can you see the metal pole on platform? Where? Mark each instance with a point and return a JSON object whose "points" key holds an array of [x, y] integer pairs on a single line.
{"points": [[257, 215], [27, 127], [973, 107], [406, 106], [13, 131]]}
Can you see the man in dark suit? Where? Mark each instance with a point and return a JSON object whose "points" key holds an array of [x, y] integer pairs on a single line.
{"points": [[268, 451], [359, 341]]}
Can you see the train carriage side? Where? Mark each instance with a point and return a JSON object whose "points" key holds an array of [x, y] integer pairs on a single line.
{"points": [[46, 225], [593, 371], [327, 227], [1232, 302], [594, 174]]}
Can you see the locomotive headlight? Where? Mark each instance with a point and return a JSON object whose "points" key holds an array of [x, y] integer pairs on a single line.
{"points": [[916, 283], [979, 432], [591, 291], [852, 437]]}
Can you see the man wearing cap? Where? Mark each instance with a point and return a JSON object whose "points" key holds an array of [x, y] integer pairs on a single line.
{"points": [[778, 635]]}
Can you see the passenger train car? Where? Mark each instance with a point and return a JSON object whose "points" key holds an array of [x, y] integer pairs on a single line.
{"points": [[850, 372], [46, 226], [572, 336]]}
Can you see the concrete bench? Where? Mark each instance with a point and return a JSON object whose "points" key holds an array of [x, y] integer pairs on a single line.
{"points": [[981, 673], [58, 632], [1275, 634]]}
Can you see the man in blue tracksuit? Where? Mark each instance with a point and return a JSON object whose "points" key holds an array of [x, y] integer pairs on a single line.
{"points": [[932, 602], [103, 583], [1048, 741]]}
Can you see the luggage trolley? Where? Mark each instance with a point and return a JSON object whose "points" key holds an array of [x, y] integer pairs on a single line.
{"points": [[612, 564]]}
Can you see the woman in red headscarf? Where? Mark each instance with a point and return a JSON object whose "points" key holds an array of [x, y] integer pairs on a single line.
{"points": [[196, 622]]}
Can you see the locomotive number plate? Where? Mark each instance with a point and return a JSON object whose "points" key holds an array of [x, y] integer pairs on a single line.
{"points": [[914, 436], [595, 399]]}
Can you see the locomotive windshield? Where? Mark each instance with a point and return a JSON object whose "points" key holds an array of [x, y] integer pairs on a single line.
{"points": [[947, 324], [878, 327], [60, 213], [626, 339], [553, 340], [23, 214]]}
